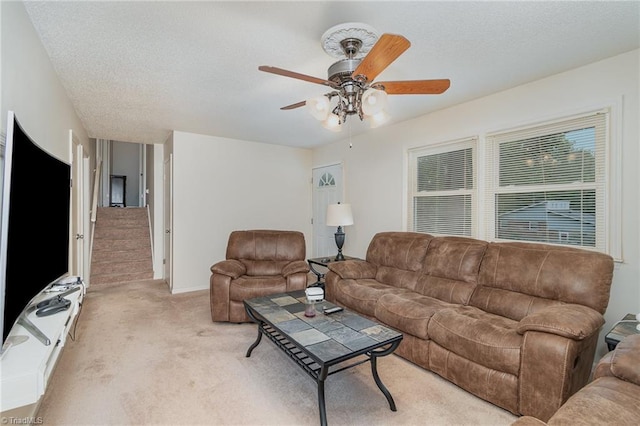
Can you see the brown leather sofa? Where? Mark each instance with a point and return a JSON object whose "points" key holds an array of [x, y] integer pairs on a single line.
{"points": [[612, 398], [513, 323], [258, 262]]}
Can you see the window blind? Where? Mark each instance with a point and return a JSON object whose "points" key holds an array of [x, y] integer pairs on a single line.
{"points": [[547, 183], [443, 185]]}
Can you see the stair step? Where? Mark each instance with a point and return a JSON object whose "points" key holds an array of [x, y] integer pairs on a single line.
{"points": [[124, 233], [142, 253], [110, 212], [99, 268], [121, 246], [120, 278], [106, 245], [124, 222]]}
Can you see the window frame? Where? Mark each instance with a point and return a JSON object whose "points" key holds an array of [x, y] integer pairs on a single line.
{"points": [[600, 187], [441, 148], [611, 108]]}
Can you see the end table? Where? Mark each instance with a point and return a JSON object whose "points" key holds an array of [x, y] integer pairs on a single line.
{"points": [[324, 262], [623, 328]]}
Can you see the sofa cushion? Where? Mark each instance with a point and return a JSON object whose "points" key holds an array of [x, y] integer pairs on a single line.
{"points": [[517, 279], [266, 252], [451, 268], [408, 312], [481, 337], [246, 287], [362, 295], [398, 253]]}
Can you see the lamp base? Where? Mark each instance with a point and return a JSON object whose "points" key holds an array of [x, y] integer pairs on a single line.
{"points": [[339, 242]]}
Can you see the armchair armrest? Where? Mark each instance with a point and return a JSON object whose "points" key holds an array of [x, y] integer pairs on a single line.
{"points": [[230, 267], [575, 322], [295, 267], [353, 269]]}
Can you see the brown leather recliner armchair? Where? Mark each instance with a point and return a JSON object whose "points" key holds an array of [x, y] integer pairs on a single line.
{"points": [[612, 398], [258, 262]]}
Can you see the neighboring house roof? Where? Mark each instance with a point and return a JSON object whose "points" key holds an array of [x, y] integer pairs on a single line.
{"points": [[544, 210]]}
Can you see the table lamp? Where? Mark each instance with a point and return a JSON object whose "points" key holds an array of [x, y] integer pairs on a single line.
{"points": [[339, 215]]}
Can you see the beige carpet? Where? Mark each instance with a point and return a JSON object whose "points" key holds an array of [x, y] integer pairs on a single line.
{"points": [[144, 356]]}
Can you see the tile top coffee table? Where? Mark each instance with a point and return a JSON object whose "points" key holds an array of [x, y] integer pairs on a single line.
{"points": [[323, 344]]}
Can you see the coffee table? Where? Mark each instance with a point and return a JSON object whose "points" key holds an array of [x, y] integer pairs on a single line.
{"points": [[324, 344]]}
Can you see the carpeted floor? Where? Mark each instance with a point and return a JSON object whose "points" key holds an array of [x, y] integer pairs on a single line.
{"points": [[142, 356]]}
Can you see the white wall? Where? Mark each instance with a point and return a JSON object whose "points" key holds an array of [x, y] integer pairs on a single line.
{"points": [[376, 167], [222, 185], [31, 88], [125, 161]]}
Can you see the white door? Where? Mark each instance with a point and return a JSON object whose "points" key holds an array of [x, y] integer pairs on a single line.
{"points": [[327, 189], [168, 192], [86, 219], [77, 207]]}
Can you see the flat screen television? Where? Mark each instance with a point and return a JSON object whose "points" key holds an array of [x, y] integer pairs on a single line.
{"points": [[34, 223]]}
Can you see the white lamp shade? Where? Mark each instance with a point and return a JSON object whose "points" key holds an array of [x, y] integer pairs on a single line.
{"points": [[378, 119], [339, 215], [332, 123], [319, 107], [374, 101]]}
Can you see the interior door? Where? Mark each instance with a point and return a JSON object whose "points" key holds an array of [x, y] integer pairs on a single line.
{"points": [[77, 208], [168, 239], [327, 189]]}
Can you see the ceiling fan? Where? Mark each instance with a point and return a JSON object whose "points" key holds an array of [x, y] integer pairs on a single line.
{"points": [[352, 78]]}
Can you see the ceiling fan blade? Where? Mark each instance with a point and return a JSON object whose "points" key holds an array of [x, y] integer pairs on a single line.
{"points": [[294, 106], [415, 87], [382, 54], [287, 73]]}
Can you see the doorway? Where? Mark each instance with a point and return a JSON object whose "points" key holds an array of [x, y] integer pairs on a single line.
{"points": [[327, 189], [126, 162]]}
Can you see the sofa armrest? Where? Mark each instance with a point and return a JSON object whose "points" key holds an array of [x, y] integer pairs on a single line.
{"points": [[575, 322], [294, 267], [230, 267], [625, 363], [353, 269]]}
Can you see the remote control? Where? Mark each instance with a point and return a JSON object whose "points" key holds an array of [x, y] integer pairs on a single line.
{"points": [[330, 311]]}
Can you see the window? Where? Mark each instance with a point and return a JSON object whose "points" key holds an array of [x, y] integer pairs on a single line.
{"points": [[552, 175], [442, 189], [327, 180], [554, 183]]}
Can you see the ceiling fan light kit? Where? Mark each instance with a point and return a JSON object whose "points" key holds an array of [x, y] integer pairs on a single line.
{"points": [[351, 78], [319, 107]]}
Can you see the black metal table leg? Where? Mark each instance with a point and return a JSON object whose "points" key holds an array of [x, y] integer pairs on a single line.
{"points": [[259, 338], [376, 377], [256, 343], [324, 372]]}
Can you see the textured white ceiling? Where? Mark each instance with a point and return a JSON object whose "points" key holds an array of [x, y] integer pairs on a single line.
{"points": [[137, 70]]}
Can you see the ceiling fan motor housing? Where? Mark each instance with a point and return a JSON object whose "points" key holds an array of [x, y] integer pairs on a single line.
{"points": [[341, 71]]}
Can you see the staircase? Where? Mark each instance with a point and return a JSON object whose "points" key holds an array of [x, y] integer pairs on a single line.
{"points": [[121, 246]]}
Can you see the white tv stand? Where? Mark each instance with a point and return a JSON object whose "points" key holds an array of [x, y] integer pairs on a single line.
{"points": [[26, 367]]}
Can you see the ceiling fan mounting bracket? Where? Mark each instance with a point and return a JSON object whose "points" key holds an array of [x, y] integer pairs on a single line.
{"points": [[351, 47], [333, 38]]}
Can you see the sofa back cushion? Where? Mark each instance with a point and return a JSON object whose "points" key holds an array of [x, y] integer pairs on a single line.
{"points": [[451, 267], [520, 278], [266, 252], [398, 256]]}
